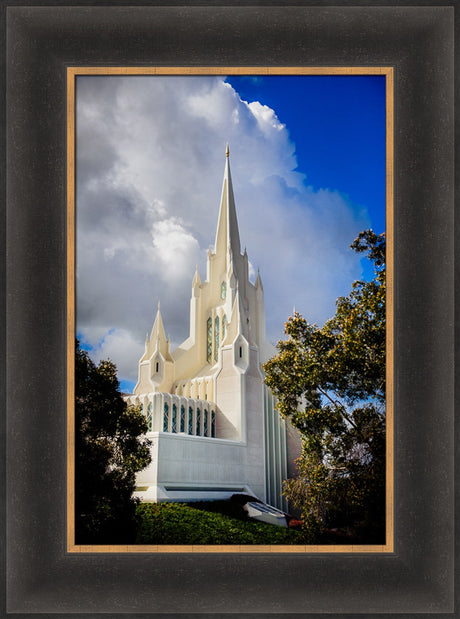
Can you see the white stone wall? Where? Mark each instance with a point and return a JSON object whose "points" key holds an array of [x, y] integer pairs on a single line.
{"points": [[275, 451], [193, 467]]}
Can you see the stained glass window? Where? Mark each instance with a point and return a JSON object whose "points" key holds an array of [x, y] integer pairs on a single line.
{"points": [[182, 418], [174, 419], [223, 290], [198, 422], [213, 424], [190, 420], [149, 417], [205, 423], [165, 418], [224, 326], [216, 338], [209, 340]]}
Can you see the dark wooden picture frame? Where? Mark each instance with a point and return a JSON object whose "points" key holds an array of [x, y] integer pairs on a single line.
{"points": [[41, 43]]}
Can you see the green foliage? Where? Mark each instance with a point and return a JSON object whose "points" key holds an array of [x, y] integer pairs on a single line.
{"points": [[330, 381], [177, 523], [109, 450]]}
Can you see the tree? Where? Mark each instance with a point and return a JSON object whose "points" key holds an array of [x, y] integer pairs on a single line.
{"points": [[109, 450], [330, 382]]}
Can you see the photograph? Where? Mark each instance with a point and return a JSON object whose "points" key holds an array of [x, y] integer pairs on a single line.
{"points": [[229, 309], [230, 286]]}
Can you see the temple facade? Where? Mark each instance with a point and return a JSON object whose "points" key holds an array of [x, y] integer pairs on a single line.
{"points": [[212, 421]]}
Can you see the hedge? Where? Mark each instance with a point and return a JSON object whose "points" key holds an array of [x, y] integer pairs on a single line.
{"points": [[179, 523]]}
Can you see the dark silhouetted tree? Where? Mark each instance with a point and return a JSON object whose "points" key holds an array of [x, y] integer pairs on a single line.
{"points": [[109, 449]]}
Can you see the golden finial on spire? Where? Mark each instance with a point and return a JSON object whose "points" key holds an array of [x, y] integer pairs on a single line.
{"points": [[227, 152]]}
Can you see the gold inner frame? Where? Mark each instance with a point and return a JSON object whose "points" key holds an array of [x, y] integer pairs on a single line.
{"points": [[72, 74]]}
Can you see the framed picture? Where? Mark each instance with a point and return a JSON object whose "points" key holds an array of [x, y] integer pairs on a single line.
{"points": [[207, 414], [403, 577]]}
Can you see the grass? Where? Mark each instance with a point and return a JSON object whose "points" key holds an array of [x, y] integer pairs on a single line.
{"points": [[182, 524]]}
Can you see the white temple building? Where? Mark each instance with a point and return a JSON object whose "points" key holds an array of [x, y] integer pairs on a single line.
{"points": [[212, 421]]}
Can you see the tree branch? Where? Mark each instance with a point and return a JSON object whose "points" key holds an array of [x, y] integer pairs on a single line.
{"points": [[339, 406]]}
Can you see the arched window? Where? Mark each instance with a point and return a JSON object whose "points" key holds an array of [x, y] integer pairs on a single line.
{"points": [[216, 338], [149, 417], [182, 418], [209, 340], [224, 327], [223, 290], [198, 422], [205, 423], [166, 418], [213, 424], [174, 419]]}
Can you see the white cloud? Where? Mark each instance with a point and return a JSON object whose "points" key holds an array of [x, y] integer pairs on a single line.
{"points": [[175, 248], [119, 346], [150, 160], [266, 117]]}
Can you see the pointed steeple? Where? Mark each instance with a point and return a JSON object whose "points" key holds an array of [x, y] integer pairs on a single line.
{"points": [[158, 331], [196, 278], [258, 282], [227, 235], [239, 323]]}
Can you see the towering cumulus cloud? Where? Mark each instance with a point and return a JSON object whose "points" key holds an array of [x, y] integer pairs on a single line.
{"points": [[150, 159]]}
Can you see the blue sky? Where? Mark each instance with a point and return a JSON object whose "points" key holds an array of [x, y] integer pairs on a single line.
{"points": [[307, 155], [338, 126]]}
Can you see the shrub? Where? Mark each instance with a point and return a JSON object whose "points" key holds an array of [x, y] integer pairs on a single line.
{"points": [[177, 523]]}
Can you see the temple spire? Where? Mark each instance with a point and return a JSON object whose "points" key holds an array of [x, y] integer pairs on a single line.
{"points": [[158, 331], [196, 278], [227, 235], [258, 282]]}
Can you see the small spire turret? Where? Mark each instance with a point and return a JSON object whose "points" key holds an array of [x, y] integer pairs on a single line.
{"points": [[196, 278], [158, 331], [258, 282]]}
